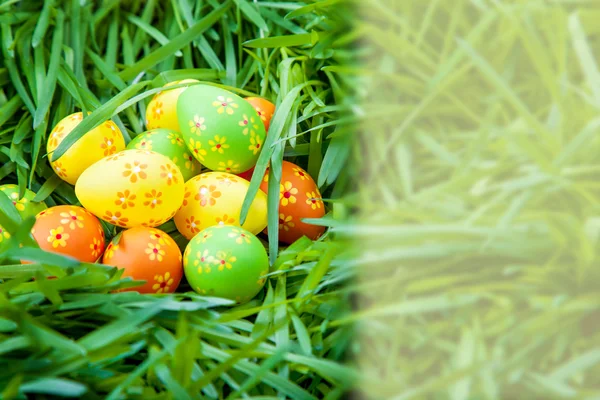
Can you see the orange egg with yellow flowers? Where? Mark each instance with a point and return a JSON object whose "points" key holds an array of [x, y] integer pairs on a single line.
{"points": [[147, 254], [71, 231], [299, 198], [264, 108]]}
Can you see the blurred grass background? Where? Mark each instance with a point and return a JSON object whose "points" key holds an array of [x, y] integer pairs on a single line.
{"points": [[479, 199]]}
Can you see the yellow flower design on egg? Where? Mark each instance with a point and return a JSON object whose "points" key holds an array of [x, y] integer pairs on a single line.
{"points": [[3, 234], [218, 144], [255, 144], [313, 200], [196, 148], [58, 237], [145, 144], [231, 166], [248, 124], [95, 247], [203, 259], [158, 236], [19, 204], [286, 193], [224, 260], [286, 223], [299, 173], [163, 283]]}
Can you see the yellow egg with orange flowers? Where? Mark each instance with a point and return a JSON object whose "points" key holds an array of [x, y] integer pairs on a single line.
{"points": [[104, 140], [215, 198], [132, 188], [71, 231], [162, 109]]}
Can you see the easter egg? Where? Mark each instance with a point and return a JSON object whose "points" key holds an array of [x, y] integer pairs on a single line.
{"points": [[162, 109], [25, 206], [226, 261], [104, 140], [299, 197], [71, 231], [264, 108], [247, 175], [168, 143], [214, 198], [132, 188], [147, 254], [222, 130]]}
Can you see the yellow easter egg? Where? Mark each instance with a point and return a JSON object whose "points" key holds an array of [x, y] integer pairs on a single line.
{"points": [[104, 140], [132, 188], [162, 109], [215, 198]]}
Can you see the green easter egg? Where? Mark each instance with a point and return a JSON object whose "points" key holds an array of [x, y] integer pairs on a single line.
{"points": [[226, 261], [168, 143], [25, 206], [223, 131]]}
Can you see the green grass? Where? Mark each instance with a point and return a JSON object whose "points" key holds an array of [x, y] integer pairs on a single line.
{"points": [[73, 337], [480, 199]]}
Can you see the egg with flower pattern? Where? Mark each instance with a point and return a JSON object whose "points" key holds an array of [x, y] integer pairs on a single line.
{"points": [[25, 205], [162, 109], [226, 261], [104, 140], [168, 143], [132, 188], [71, 231], [299, 198], [222, 130], [264, 108], [215, 198], [147, 254]]}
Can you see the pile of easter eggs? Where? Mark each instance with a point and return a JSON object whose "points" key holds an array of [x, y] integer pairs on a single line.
{"points": [[192, 166]]}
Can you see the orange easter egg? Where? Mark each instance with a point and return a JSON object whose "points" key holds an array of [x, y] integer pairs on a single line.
{"points": [[147, 254], [71, 231], [264, 108], [299, 198]]}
